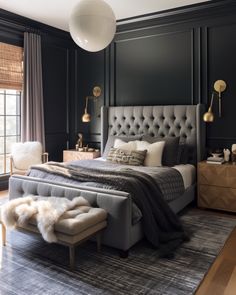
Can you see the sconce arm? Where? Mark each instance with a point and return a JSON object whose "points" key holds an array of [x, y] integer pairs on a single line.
{"points": [[212, 99]]}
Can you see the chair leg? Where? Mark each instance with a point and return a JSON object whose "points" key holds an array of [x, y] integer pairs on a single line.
{"points": [[72, 257], [99, 240], [3, 234]]}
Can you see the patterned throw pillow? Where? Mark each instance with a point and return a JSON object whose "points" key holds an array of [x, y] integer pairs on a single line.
{"points": [[135, 158]]}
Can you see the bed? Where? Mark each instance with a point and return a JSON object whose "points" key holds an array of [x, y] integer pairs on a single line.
{"points": [[183, 121]]}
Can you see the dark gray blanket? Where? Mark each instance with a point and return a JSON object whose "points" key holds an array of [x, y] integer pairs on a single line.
{"points": [[161, 225]]}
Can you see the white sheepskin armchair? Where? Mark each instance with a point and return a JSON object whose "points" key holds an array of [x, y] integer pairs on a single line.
{"points": [[25, 154]]}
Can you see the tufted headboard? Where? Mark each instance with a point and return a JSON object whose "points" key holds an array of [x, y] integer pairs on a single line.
{"points": [[172, 120]]}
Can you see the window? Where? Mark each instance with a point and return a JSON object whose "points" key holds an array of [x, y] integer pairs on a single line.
{"points": [[9, 125], [11, 80]]}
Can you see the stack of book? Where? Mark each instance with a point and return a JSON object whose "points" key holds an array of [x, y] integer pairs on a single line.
{"points": [[215, 160]]}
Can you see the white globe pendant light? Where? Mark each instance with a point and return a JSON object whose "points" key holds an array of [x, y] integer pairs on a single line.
{"points": [[92, 24]]}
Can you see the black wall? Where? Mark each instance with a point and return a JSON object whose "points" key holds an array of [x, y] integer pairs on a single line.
{"points": [[58, 51], [173, 57]]}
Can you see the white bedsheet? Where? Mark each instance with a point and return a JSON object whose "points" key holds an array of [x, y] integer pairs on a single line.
{"points": [[187, 171]]}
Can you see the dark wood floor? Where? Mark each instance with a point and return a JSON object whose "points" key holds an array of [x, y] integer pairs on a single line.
{"points": [[221, 277]]}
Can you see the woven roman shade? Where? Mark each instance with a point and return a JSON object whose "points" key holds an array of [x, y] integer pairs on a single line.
{"points": [[11, 69]]}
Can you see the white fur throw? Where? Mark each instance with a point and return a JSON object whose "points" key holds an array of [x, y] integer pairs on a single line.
{"points": [[48, 210], [27, 153]]}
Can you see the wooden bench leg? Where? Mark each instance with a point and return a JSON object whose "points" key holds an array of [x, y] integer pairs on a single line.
{"points": [[99, 240], [3, 234], [72, 257]]}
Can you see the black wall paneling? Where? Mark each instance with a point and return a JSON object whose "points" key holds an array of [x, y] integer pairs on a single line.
{"points": [[174, 57], [153, 69], [222, 65], [90, 73], [56, 97], [171, 57], [58, 64]]}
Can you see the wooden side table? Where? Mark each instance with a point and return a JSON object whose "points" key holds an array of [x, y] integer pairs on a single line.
{"points": [[71, 155], [217, 186]]}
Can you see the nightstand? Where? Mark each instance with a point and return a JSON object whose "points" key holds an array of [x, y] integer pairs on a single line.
{"points": [[71, 155], [217, 186]]}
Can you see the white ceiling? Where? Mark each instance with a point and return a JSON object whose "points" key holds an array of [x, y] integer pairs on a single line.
{"points": [[56, 12]]}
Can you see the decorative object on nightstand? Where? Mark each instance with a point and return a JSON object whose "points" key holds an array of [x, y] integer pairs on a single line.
{"points": [[233, 157], [72, 155], [216, 158], [97, 91], [79, 144], [226, 155], [217, 186], [219, 87]]}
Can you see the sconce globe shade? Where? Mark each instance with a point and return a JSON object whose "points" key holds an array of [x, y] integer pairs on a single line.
{"points": [[208, 116], [86, 118], [92, 25]]}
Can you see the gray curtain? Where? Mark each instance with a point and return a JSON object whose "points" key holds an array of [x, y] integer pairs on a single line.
{"points": [[32, 115]]}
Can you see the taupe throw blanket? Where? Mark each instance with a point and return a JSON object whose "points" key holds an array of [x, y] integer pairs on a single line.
{"points": [[161, 225]]}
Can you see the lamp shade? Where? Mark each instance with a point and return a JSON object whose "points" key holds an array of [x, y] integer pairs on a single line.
{"points": [[86, 117], [92, 25], [208, 116]]}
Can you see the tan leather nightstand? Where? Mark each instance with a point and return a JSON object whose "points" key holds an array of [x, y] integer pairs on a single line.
{"points": [[71, 155], [217, 186]]}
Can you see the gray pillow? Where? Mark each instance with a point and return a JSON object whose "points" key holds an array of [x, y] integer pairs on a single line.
{"points": [[182, 157], [170, 152], [111, 140], [119, 156]]}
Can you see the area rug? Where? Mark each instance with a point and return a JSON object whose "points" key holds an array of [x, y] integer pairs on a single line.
{"points": [[31, 266]]}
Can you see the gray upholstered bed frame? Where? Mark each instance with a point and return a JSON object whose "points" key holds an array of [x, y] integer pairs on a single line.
{"points": [[162, 121], [184, 121]]}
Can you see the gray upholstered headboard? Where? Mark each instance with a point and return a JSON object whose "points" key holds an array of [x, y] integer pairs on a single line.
{"points": [[172, 120]]}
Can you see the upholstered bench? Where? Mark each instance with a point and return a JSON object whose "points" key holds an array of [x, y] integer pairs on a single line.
{"points": [[79, 225]]}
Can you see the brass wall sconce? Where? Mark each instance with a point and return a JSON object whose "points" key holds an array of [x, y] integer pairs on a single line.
{"points": [[219, 87], [96, 93]]}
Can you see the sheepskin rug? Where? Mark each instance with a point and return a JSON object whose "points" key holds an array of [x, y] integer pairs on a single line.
{"points": [[47, 210]]}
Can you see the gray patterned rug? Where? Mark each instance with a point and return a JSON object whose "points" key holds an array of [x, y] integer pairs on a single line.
{"points": [[31, 266]]}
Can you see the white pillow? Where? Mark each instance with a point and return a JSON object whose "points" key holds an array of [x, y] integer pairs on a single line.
{"points": [[154, 152], [128, 146], [26, 154]]}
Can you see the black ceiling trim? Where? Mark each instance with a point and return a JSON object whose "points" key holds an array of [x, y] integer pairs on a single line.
{"points": [[22, 24]]}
